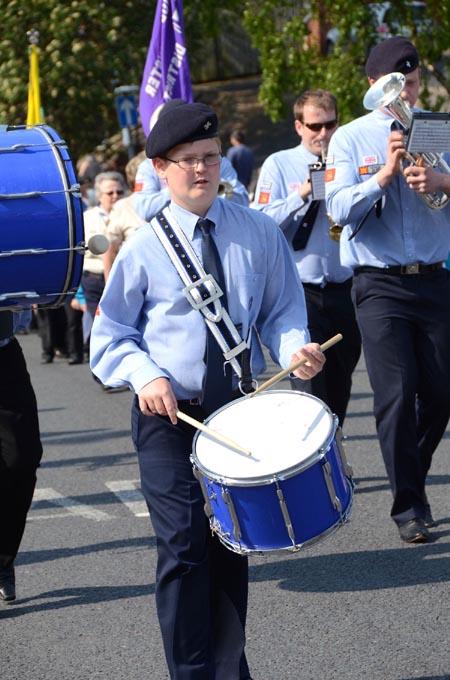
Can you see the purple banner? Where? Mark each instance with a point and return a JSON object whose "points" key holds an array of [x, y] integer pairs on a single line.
{"points": [[166, 73]]}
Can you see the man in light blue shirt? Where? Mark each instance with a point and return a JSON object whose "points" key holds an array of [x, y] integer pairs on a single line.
{"points": [[284, 192], [149, 337], [396, 246]]}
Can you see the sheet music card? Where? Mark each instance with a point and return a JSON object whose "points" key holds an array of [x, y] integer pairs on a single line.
{"points": [[317, 177], [429, 132]]}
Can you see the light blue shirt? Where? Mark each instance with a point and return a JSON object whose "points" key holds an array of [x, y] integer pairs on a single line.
{"points": [[147, 329], [150, 195], [277, 195], [407, 230], [21, 321]]}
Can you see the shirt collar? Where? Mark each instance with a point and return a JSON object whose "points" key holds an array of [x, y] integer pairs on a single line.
{"points": [[187, 220]]}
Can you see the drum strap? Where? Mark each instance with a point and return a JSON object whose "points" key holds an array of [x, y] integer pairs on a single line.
{"points": [[203, 293]]}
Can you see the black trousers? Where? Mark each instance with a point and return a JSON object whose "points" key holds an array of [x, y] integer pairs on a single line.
{"points": [[93, 285], [52, 328], [75, 342], [20, 449], [405, 326], [201, 586], [330, 311]]}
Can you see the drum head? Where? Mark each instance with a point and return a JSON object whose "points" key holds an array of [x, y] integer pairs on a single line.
{"points": [[284, 430]]}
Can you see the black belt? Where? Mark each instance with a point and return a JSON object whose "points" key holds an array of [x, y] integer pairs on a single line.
{"points": [[182, 403], [403, 269], [330, 285]]}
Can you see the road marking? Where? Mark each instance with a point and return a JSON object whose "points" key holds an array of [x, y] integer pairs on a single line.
{"points": [[72, 506], [128, 491]]}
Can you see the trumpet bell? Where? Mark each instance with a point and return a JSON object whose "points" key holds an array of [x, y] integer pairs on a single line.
{"points": [[384, 91]]}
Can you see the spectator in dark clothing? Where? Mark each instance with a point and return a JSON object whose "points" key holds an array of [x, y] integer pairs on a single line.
{"points": [[241, 157]]}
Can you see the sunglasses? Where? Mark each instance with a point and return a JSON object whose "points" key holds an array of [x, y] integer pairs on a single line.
{"points": [[111, 193], [316, 127]]}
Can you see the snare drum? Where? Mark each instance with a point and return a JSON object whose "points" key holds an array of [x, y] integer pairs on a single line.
{"points": [[295, 489], [41, 219]]}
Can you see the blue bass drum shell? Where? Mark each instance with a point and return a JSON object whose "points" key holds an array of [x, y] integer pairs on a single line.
{"points": [[41, 219]]}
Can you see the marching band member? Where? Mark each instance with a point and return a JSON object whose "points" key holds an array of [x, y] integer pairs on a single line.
{"points": [[151, 192], [284, 192], [149, 337], [396, 246]]}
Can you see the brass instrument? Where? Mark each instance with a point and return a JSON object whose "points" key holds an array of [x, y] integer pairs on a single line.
{"points": [[385, 93], [335, 229]]}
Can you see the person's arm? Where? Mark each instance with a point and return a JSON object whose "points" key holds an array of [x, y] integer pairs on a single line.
{"points": [[116, 355], [149, 196], [282, 322], [108, 258], [348, 198], [271, 198]]}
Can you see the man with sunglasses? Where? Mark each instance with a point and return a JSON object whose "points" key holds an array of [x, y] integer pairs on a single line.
{"points": [[150, 337], [396, 246], [284, 192]]}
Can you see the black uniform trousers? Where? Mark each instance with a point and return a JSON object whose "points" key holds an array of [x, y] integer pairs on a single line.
{"points": [[52, 329], [405, 326], [201, 586], [20, 449], [330, 311]]}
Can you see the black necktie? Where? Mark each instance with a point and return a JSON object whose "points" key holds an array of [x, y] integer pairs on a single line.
{"points": [[6, 324], [301, 236], [217, 384]]}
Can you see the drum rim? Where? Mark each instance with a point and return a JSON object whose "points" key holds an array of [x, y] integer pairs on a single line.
{"points": [[282, 475]]}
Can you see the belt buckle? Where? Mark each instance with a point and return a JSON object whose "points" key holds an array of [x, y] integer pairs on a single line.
{"points": [[411, 268]]}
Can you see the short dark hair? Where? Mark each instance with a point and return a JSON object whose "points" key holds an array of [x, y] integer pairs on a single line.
{"points": [[322, 99], [238, 135]]}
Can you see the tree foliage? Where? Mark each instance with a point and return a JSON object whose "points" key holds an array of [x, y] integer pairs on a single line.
{"points": [[88, 48], [295, 54]]}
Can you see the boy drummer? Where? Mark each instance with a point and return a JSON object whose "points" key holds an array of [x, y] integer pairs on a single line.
{"points": [[149, 337]]}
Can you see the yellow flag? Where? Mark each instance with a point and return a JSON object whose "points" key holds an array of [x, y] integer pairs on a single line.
{"points": [[34, 115]]}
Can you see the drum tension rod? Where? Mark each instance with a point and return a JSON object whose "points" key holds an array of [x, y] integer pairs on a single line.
{"points": [[326, 468], [285, 513], [231, 509]]}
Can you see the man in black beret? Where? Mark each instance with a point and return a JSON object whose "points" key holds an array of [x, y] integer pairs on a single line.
{"points": [[395, 54], [396, 245], [151, 336]]}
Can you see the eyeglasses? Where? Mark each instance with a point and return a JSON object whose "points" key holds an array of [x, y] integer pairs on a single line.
{"points": [[316, 127], [192, 162], [118, 192]]}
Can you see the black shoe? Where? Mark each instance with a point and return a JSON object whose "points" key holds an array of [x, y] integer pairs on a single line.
{"points": [[7, 584], [46, 359], [75, 359], [428, 518], [414, 531]]}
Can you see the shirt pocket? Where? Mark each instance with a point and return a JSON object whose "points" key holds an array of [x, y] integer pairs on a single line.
{"points": [[247, 297]]}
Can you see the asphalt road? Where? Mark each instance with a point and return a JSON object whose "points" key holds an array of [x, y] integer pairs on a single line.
{"points": [[359, 605]]}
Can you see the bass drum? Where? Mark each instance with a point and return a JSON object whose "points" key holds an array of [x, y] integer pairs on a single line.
{"points": [[41, 219]]}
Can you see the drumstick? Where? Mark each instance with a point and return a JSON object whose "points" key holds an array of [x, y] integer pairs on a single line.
{"points": [[282, 374], [212, 433]]}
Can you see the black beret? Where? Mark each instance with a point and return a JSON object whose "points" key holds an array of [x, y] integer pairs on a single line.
{"points": [[179, 123], [393, 54]]}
